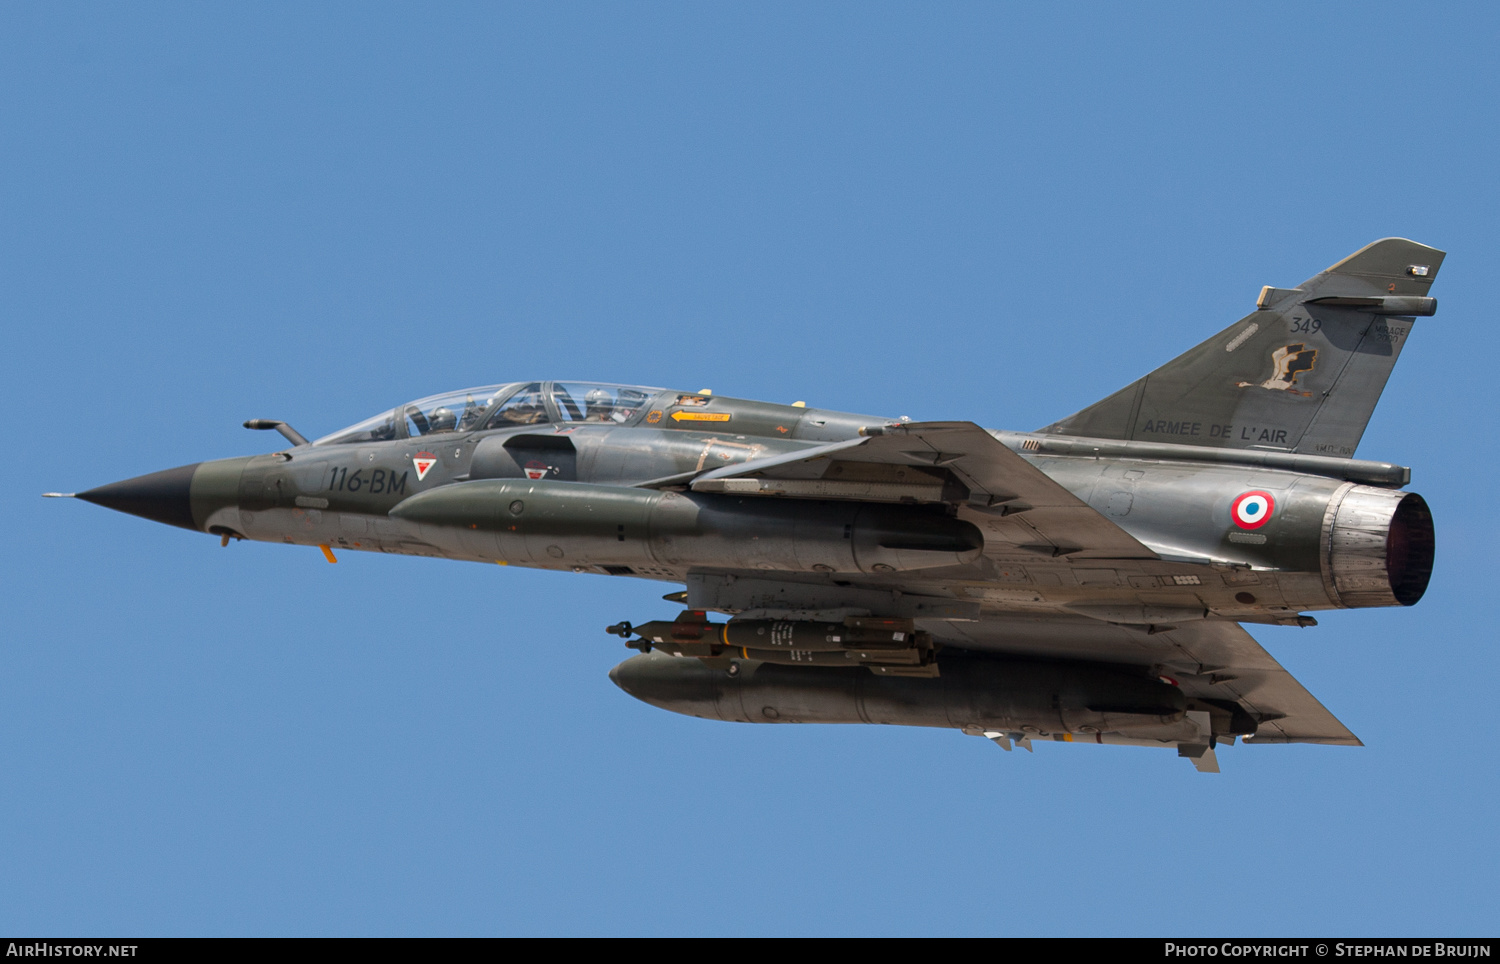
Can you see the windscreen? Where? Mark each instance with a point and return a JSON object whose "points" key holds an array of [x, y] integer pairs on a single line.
{"points": [[378, 429], [451, 412]]}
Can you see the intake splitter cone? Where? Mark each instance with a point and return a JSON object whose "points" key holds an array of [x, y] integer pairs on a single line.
{"points": [[161, 496]]}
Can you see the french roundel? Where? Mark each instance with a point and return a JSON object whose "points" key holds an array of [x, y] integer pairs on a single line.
{"points": [[1253, 509]]}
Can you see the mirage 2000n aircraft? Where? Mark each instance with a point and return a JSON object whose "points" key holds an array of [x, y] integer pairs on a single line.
{"points": [[1082, 583]]}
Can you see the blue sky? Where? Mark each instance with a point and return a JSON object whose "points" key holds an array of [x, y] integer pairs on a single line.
{"points": [[985, 211]]}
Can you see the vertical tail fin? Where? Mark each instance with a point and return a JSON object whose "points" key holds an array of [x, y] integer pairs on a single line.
{"points": [[1301, 373]]}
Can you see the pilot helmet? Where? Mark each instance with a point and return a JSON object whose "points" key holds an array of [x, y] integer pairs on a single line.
{"points": [[442, 419], [597, 401]]}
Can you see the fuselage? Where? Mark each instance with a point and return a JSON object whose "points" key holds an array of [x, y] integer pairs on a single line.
{"points": [[599, 477]]}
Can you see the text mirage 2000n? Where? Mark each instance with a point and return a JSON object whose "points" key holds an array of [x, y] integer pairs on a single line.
{"points": [[1083, 583]]}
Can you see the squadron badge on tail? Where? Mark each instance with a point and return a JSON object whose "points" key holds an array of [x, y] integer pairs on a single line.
{"points": [[1286, 364]]}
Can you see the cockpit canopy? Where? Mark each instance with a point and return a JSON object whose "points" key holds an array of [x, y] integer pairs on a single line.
{"points": [[501, 406]]}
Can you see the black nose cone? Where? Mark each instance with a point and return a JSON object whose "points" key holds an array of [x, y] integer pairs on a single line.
{"points": [[160, 496]]}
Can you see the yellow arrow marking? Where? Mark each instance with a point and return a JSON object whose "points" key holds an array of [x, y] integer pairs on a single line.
{"points": [[700, 416]]}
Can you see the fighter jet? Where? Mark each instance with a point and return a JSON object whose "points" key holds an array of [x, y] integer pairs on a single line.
{"points": [[1083, 583]]}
